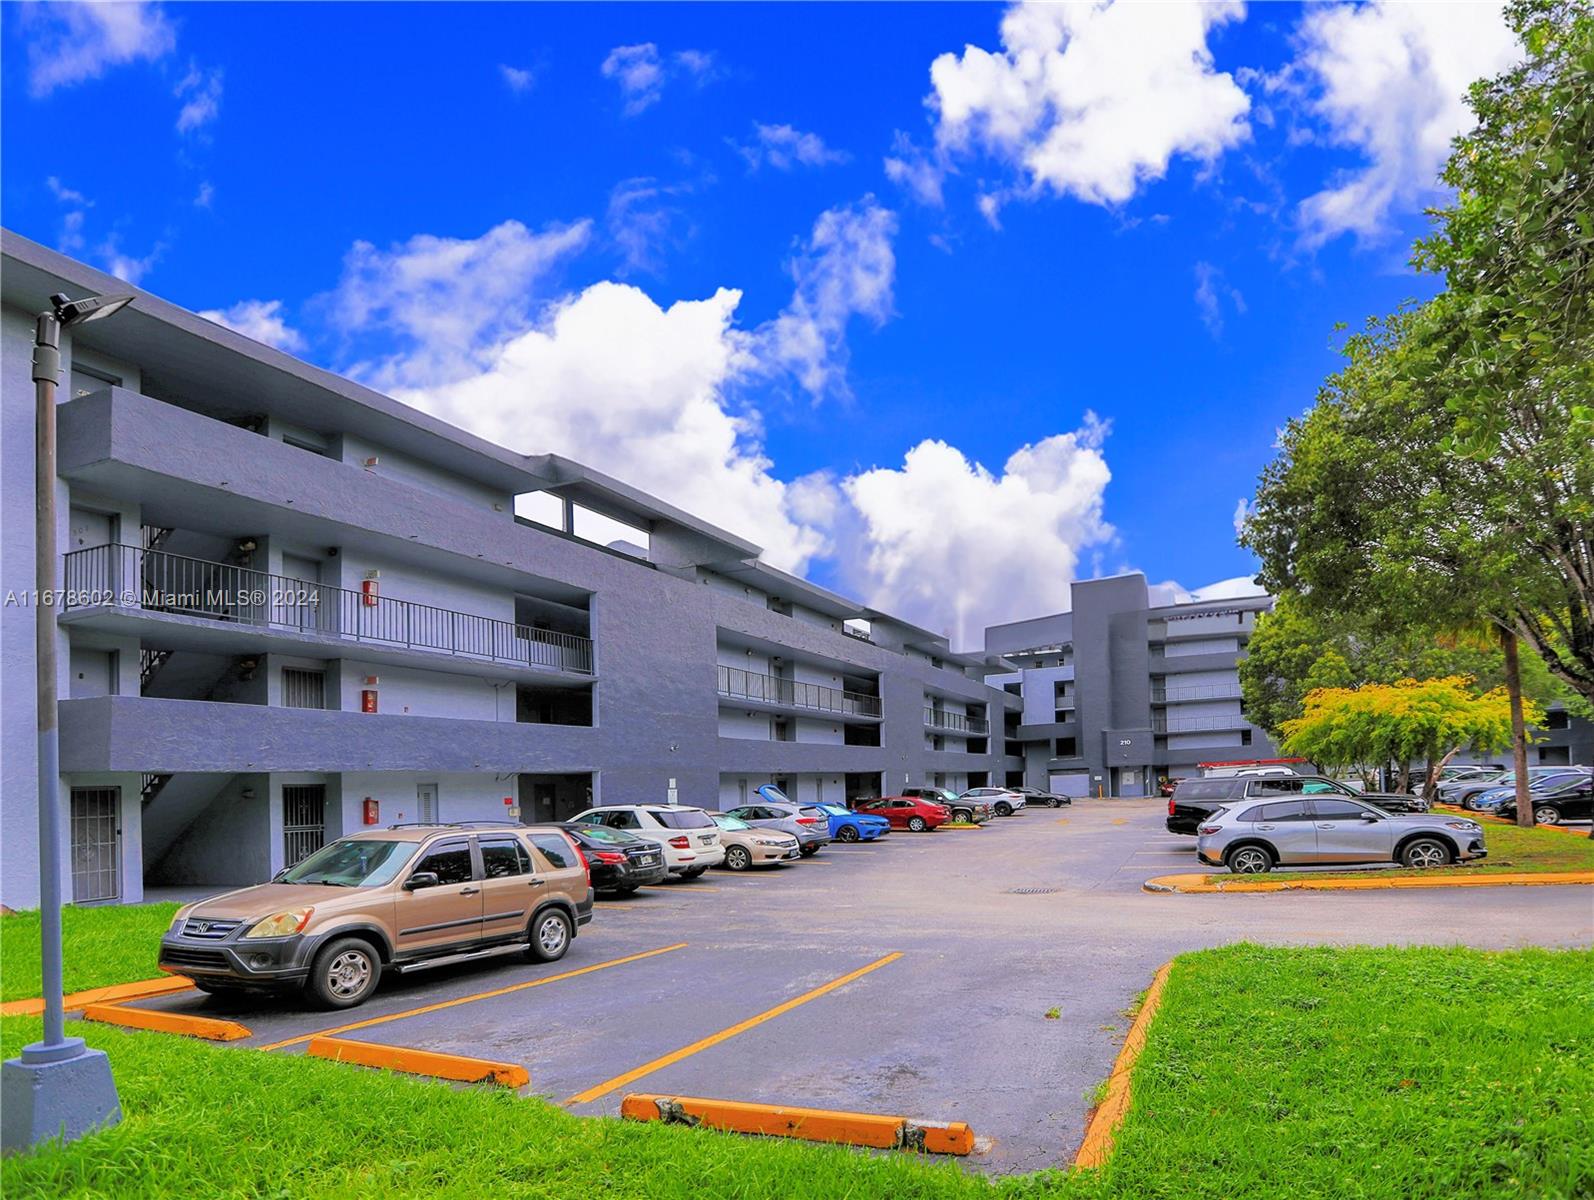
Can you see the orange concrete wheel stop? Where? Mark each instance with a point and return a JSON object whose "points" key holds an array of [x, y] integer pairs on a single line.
{"points": [[114, 994], [1109, 1114], [419, 1062], [808, 1124], [1194, 884], [157, 1021]]}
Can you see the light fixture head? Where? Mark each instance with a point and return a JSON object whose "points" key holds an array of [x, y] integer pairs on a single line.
{"points": [[89, 308]]}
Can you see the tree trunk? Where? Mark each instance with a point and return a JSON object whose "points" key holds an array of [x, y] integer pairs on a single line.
{"points": [[1519, 737]]}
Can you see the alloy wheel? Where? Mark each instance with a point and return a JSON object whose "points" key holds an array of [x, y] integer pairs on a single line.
{"points": [[552, 934], [1250, 860], [1425, 854], [349, 974], [1545, 815]]}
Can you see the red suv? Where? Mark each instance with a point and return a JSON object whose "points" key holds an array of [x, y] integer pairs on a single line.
{"points": [[908, 812]]}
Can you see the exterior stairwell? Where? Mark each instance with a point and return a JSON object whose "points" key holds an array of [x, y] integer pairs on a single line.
{"points": [[176, 806]]}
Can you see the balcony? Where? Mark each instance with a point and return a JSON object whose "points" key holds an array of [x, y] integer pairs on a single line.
{"points": [[1162, 724], [737, 684], [935, 718], [130, 578], [1212, 691]]}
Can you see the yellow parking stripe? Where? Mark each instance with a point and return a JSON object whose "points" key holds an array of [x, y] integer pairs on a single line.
{"points": [[678, 889], [503, 991], [714, 1039]]}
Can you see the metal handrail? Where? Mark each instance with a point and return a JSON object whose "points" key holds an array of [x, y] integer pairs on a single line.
{"points": [[1197, 724], [132, 577], [772, 689], [1211, 691], [938, 718]]}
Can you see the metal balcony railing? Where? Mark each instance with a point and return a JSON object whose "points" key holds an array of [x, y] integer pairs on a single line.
{"points": [[936, 718], [1196, 724], [132, 577], [771, 689], [1211, 691]]}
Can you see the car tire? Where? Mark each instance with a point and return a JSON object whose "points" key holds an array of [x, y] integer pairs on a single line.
{"points": [[1004, 809], [737, 858], [847, 833], [1054, 802], [1546, 815], [1425, 852], [1249, 860], [550, 936], [693, 873], [344, 974], [809, 850], [628, 890], [917, 824]]}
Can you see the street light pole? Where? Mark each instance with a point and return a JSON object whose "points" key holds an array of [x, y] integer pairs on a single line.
{"points": [[57, 1087]]}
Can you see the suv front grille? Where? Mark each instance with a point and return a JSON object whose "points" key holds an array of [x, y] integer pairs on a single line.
{"points": [[184, 957], [202, 927]]}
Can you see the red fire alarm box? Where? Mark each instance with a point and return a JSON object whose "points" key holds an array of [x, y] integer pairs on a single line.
{"points": [[368, 700], [369, 592], [372, 811]]}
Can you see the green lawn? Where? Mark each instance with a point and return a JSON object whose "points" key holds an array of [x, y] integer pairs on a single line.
{"points": [[1270, 1073], [1511, 849], [113, 944]]}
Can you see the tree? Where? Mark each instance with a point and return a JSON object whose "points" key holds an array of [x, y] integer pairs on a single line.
{"points": [[1296, 649], [1445, 476], [1367, 726]]}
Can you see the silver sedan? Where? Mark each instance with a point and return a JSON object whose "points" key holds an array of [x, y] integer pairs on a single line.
{"points": [[1249, 838]]}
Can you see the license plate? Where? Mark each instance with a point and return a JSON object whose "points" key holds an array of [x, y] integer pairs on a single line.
{"points": [[706, 839], [647, 860], [792, 854]]}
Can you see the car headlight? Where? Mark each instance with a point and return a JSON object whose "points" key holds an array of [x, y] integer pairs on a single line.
{"points": [[281, 924], [1467, 825], [179, 917]]}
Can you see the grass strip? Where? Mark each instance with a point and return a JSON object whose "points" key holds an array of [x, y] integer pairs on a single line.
{"points": [[115, 943]]}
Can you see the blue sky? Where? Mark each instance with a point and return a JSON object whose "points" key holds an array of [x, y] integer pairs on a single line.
{"points": [[331, 178]]}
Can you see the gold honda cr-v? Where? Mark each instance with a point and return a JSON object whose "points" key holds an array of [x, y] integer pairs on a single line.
{"points": [[401, 898]]}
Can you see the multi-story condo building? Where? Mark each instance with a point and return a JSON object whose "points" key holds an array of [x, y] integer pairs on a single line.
{"points": [[1120, 692], [293, 606]]}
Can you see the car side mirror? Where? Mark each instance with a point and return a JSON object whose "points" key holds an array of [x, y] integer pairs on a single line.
{"points": [[421, 879]]}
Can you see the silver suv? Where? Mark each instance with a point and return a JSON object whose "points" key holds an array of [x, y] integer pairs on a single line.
{"points": [[1248, 838]]}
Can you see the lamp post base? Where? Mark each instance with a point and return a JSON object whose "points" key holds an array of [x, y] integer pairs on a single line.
{"points": [[57, 1097]]}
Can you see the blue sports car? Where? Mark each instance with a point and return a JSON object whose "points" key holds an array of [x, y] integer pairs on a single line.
{"points": [[849, 826]]}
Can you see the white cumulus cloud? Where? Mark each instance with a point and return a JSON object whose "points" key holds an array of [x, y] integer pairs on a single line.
{"points": [[847, 268], [517, 79], [72, 43], [641, 72], [446, 302], [262, 320], [950, 544], [1092, 100], [200, 92], [1390, 80]]}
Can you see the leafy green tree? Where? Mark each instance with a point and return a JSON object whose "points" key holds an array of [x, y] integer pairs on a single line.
{"points": [[1445, 476]]}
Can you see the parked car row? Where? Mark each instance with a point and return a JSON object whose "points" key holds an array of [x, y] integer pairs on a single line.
{"points": [[414, 896], [1253, 823]]}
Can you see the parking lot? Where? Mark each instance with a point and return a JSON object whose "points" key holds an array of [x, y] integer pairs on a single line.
{"points": [[911, 976]]}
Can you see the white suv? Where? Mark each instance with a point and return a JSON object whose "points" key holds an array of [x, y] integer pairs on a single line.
{"points": [[1003, 802], [688, 836]]}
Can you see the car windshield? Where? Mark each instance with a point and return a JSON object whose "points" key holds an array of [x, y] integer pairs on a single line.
{"points": [[729, 822], [682, 818], [353, 863], [610, 837]]}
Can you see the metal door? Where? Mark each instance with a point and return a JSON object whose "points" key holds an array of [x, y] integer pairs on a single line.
{"points": [[1288, 825], [1345, 835], [96, 844], [426, 803], [304, 820]]}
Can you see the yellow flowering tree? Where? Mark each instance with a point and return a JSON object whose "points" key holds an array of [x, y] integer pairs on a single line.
{"points": [[1412, 720]]}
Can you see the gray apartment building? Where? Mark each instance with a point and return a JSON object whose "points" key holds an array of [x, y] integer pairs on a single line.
{"points": [[1119, 691], [294, 606]]}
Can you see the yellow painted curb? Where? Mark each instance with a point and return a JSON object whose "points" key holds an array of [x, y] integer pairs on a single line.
{"points": [[113, 994], [809, 1124], [1193, 884], [208, 1028], [961, 825], [1109, 1114], [419, 1062]]}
